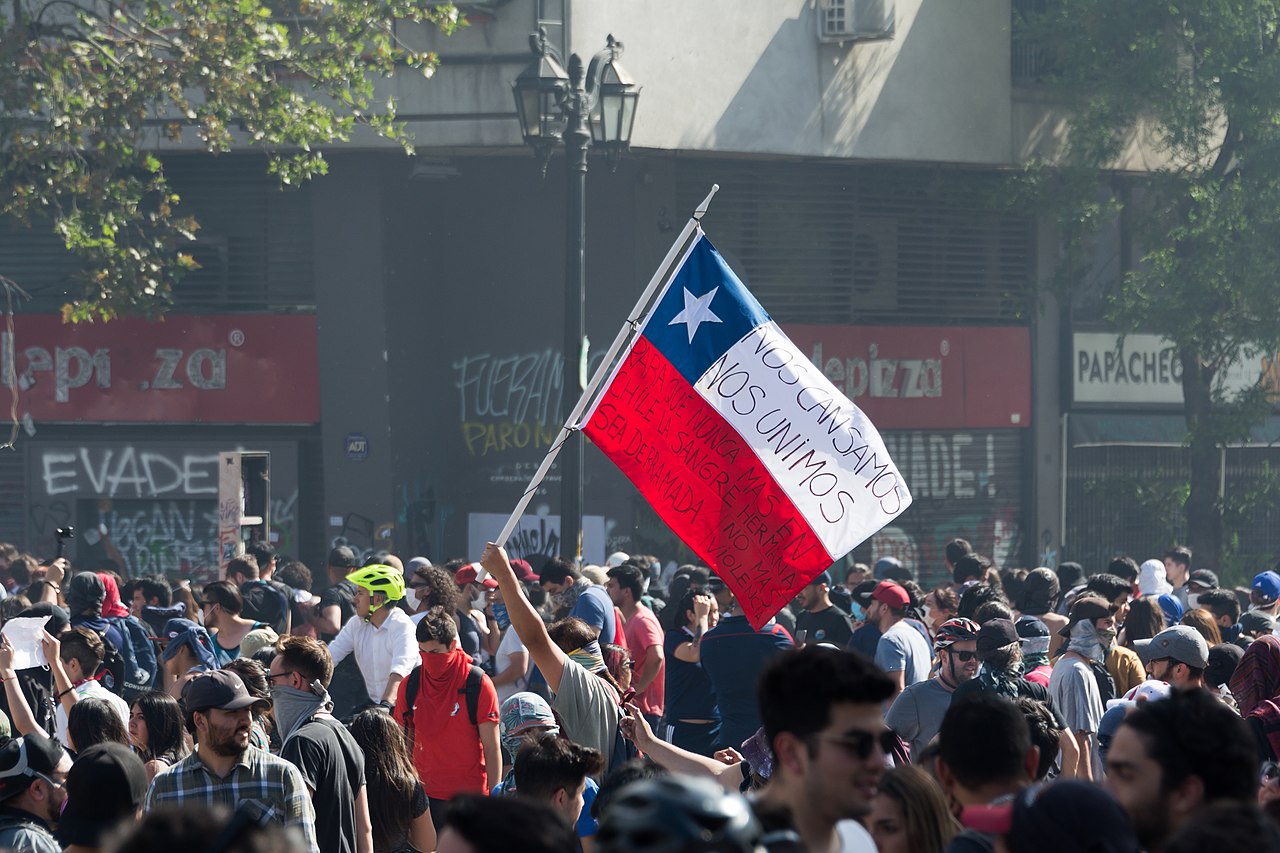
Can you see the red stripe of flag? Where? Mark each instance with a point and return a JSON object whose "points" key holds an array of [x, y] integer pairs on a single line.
{"points": [[705, 482]]}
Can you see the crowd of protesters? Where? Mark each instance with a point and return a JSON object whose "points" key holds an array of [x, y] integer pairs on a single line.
{"points": [[484, 705]]}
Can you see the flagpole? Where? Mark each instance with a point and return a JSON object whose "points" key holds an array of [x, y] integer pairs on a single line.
{"points": [[678, 250]]}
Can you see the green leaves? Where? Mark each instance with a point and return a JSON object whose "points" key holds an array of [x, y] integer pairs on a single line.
{"points": [[82, 88], [1195, 87]]}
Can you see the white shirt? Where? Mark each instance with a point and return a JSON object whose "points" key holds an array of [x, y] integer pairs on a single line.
{"points": [[380, 651], [509, 646], [91, 689], [854, 837]]}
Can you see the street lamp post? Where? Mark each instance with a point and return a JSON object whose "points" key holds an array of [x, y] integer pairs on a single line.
{"points": [[578, 109]]}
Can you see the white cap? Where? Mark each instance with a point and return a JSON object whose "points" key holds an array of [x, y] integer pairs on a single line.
{"points": [[617, 558], [1151, 579]]}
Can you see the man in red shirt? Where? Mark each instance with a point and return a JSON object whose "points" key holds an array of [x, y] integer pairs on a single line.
{"points": [[453, 753], [644, 639]]}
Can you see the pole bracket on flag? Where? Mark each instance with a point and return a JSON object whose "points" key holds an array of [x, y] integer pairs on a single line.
{"points": [[635, 319]]}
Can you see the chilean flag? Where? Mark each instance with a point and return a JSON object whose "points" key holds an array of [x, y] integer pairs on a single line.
{"points": [[741, 445]]}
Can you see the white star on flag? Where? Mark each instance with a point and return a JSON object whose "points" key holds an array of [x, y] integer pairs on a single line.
{"points": [[697, 310]]}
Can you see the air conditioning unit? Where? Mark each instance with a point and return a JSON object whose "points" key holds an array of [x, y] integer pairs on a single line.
{"points": [[855, 20]]}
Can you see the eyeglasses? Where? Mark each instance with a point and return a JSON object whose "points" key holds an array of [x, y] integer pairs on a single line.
{"points": [[272, 676], [964, 657], [862, 743], [48, 781], [629, 664]]}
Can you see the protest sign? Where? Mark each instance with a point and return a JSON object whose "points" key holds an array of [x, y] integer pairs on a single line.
{"points": [[24, 635]]}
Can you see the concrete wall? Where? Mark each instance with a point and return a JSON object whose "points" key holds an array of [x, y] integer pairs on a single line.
{"points": [[748, 77], [351, 315]]}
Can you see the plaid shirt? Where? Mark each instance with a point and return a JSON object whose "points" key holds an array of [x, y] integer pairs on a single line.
{"points": [[272, 782]]}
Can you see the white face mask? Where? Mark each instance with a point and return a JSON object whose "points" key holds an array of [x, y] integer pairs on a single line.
{"points": [[1193, 600], [411, 598]]}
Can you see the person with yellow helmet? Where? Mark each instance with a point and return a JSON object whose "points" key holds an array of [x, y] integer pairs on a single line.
{"points": [[380, 635]]}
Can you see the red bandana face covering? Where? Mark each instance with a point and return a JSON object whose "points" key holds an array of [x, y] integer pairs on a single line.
{"points": [[443, 677]]}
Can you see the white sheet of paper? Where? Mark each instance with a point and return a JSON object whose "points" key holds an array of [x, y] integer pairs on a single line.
{"points": [[24, 635]]}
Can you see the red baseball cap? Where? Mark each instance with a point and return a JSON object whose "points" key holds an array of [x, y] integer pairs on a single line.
{"points": [[891, 595], [523, 571], [468, 574]]}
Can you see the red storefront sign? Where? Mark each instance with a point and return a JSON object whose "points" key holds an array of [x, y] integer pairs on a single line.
{"points": [[244, 368], [927, 377]]}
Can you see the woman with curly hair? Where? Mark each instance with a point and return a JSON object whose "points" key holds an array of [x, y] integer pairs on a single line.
{"points": [[402, 820], [433, 586]]}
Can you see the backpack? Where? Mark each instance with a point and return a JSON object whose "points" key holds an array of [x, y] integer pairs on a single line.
{"points": [[470, 690], [263, 602], [138, 656]]}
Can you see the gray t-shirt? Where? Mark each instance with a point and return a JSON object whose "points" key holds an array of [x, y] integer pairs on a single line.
{"points": [[1074, 691], [916, 715], [589, 709], [902, 649]]}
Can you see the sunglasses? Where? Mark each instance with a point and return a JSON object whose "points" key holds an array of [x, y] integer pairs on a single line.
{"points": [[862, 744], [964, 657]]}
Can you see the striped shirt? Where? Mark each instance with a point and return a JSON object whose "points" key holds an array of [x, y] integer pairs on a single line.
{"points": [[271, 782]]}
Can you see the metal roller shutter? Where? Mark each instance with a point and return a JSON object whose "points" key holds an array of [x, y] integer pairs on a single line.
{"points": [[821, 243], [966, 484], [254, 243], [13, 493]]}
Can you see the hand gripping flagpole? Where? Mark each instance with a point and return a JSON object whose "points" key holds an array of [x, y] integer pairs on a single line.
{"points": [[679, 249]]}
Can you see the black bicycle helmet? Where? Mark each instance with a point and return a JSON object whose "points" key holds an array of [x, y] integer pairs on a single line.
{"points": [[678, 814]]}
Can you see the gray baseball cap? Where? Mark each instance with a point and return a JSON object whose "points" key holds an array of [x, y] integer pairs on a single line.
{"points": [[1181, 643]]}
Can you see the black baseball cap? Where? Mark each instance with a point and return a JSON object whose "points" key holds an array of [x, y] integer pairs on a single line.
{"points": [[343, 557], [1203, 577], [996, 634], [862, 593], [105, 786], [24, 759], [221, 689]]}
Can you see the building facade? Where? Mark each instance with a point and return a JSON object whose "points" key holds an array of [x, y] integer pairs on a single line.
{"points": [[401, 318]]}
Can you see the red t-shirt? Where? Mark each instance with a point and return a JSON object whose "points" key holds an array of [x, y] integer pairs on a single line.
{"points": [[643, 631], [446, 746]]}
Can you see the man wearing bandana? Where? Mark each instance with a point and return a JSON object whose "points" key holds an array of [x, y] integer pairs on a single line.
{"points": [[330, 760], [1076, 686], [452, 754]]}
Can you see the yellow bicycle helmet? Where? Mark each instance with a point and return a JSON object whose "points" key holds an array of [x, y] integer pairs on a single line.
{"points": [[387, 580]]}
